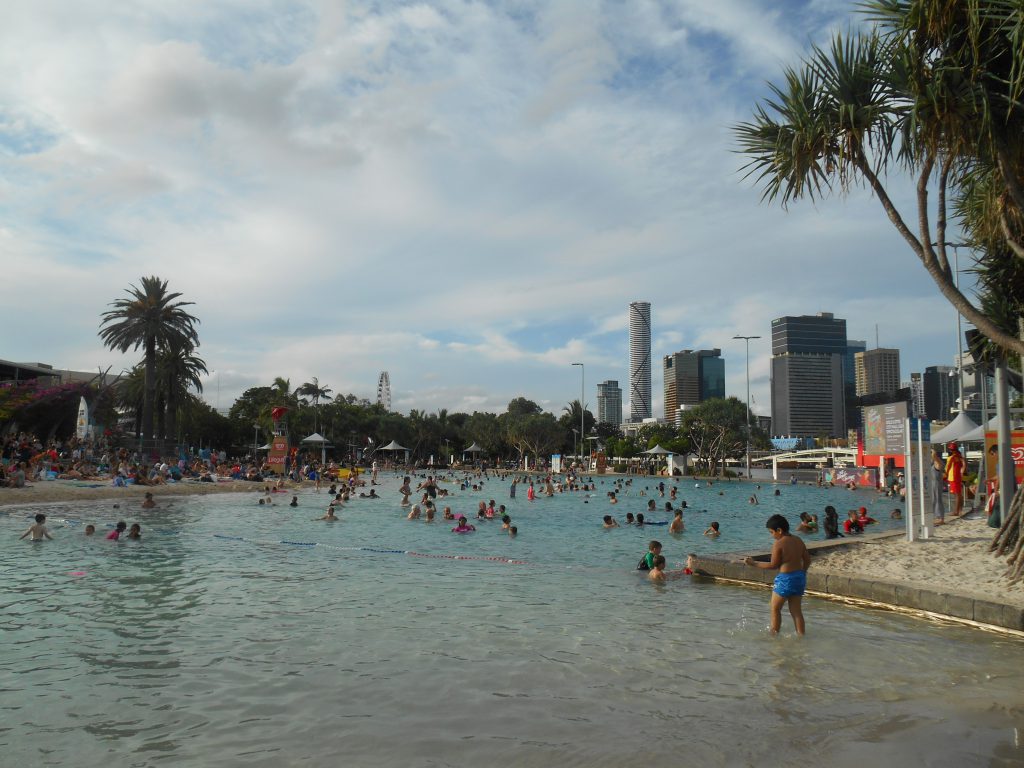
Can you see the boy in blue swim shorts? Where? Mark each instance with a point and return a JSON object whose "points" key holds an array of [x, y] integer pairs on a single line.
{"points": [[792, 559]]}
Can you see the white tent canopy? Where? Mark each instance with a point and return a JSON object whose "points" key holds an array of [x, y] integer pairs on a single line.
{"points": [[474, 448], [978, 434], [393, 446], [316, 437], [659, 451], [955, 430]]}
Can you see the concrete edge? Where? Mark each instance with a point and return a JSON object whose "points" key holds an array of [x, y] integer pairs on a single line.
{"points": [[963, 609]]}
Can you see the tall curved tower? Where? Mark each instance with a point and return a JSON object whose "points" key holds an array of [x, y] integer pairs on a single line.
{"points": [[640, 360], [384, 390]]}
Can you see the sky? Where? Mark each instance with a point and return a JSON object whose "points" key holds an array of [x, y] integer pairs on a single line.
{"points": [[465, 194]]}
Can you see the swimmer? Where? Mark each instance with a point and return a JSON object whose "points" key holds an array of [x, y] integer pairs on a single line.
{"points": [[135, 532], [640, 520], [37, 530], [677, 526], [753, 500], [713, 531], [657, 572], [90, 530], [148, 503], [647, 561], [463, 526], [430, 514], [896, 514], [513, 532], [506, 522], [610, 522], [330, 517], [791, 558], [294, 501], [115, 535], [630, 519], [261, 501], [448, 514], [414, 513]]}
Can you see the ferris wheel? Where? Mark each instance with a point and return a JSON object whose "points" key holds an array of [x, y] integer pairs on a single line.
{"points": [[384, 390]]}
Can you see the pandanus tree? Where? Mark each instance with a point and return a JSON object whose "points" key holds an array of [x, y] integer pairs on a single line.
{"points": [[933, 91], [151, 318]]}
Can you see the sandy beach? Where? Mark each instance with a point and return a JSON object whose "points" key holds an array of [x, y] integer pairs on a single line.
{"points": [[58, 491], [955, 561]]}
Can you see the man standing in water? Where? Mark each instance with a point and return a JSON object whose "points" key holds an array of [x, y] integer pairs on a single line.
{"points": [[792, 559]]}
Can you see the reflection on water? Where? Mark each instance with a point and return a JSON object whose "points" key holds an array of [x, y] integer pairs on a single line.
{"points": [[192, 650]]}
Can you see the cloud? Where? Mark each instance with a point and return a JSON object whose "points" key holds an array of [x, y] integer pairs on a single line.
{"points": [[466, 195]]}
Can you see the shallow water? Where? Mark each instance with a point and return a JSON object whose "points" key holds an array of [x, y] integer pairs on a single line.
{"points": [[193, 650]]}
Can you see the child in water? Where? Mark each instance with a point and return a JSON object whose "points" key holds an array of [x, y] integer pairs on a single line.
{"points": [[90, 530], [713, 531], [115, 534], [791, 558], [647, 561], [37, 530], [463, 526], [657, 572], [135, 532]]}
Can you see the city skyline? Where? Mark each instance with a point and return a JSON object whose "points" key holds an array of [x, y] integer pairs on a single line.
{"points": [[462, 196]]}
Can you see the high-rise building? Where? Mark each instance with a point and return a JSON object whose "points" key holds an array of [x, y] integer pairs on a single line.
{"points": [[807, 395], [639, 360], [916, 386], [609, 403], [853, 346], [941, 391], [808, 376], [877, 372], [691, 378]]}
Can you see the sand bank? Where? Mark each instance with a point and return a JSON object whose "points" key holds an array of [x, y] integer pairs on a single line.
{"points": [[955, 561], [56, 491]]}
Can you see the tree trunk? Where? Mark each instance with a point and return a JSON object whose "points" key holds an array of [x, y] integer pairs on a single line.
{"points": [[171, 421], [149, 396]]}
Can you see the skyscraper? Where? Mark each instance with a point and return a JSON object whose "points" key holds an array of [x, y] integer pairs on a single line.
{"points": [[609, 403], [639, 360], [691, 378], [808, 353], [877, 372], [941, 391]]}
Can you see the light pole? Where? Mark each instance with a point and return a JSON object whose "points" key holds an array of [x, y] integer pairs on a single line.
{"points": [[582, 385], [574, 433], [747, 340]]}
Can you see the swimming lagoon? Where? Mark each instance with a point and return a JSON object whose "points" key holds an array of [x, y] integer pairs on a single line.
{"points": [[381, 641]]}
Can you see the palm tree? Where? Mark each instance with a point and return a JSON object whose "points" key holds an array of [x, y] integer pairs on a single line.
{"points": [[934, 90], [313, 389], [178, 370], [149, 318]]}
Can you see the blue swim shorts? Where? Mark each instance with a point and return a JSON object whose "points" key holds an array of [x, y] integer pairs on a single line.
{"points": [[790, 584]]}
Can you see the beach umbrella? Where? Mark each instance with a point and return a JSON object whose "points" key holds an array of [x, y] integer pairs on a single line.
{"points": [[955, 430]]}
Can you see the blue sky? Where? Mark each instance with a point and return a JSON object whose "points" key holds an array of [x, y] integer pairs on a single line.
{"points": [[465, 194]]}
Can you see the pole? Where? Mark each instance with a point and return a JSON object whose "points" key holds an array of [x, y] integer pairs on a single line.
{"points": [[959, 336], [1004, 464], [747, 340], [582, 387]]}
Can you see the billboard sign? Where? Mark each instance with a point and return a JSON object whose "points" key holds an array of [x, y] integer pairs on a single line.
{"points": [[885, 429]]}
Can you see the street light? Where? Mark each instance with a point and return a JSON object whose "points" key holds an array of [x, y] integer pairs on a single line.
{"points": [[582, 431], [574, 433], [747, 340]]}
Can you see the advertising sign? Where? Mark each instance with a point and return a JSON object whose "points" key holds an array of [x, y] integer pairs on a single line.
{"points": [[1016, 452], [862, 477], [278, 453], [885, 429], [602, 463]]}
